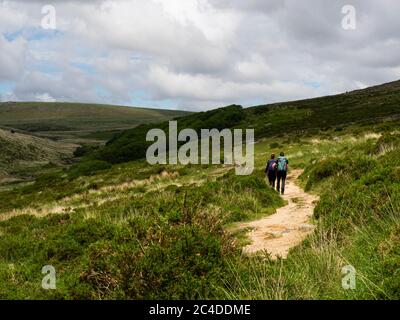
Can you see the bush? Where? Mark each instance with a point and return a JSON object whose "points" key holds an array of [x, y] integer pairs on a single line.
{"points": [[87, 168], [84, 150], [324, 169]]}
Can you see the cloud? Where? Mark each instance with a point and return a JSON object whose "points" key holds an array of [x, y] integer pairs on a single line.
{"points": [[196, 54], [45, 97], [12, 58]]}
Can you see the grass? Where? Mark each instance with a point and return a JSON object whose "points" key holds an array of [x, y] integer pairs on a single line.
{"points": [[357, 224], [104, 249], [24, 157], [117, 228], [107, 232]]}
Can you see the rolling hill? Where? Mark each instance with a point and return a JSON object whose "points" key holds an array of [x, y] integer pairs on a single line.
{"points": [[364, 106], [24, 156], [312, 116], [77, 122]]}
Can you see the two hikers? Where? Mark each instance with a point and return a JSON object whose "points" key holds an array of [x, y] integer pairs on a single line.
{"points": [[277, 170]]}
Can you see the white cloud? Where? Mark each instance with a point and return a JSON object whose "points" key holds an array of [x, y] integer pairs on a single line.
{"points": [[45, 97], [196, 53], [12, 58]]}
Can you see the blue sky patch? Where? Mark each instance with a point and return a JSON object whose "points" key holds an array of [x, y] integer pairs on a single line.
{"points": [[313, 84], [32, 34], [90, 69], [6, 86]]}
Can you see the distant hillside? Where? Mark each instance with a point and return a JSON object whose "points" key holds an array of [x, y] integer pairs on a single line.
{"points": [[77, 121], [371, 105], [368, 105], [22, 155]]}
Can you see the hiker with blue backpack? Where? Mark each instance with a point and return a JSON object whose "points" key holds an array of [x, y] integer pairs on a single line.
{"points": [[270, 171], [282, 169]]}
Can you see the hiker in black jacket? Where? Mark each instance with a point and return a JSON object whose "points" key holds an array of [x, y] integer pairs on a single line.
{"points": [[270, 171]]}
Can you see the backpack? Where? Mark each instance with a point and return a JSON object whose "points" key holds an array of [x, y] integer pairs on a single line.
{"points": [[271, 165], [282, 164]]}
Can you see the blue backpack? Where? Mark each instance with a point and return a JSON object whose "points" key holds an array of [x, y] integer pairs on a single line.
{"points": [[282, 164]]}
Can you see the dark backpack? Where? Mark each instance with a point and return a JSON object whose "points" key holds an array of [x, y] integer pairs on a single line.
{"points": [[271, 165]]}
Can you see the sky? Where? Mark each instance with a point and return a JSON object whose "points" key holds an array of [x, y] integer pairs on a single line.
{"points": [[194, 54]]}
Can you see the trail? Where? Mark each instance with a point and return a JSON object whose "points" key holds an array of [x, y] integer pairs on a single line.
{"points": [[285, 229]]}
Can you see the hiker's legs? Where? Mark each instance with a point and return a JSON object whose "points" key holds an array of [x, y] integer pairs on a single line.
{"points": [[271, 178], [283, 182], [278, 186]]}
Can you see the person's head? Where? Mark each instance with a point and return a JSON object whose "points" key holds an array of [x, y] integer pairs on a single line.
{"points": [[282, 154], [273, 156]]}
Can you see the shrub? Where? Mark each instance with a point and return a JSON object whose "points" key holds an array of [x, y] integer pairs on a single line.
{"points": [[324, 169], [87, 168]]}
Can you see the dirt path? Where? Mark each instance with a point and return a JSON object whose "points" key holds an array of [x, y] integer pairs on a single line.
{"points": [[286, 228]]}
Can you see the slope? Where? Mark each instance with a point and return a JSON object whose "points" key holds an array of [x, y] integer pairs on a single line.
{"points": [[312, 116], [77, 120], [364, 107], [22, 154]]}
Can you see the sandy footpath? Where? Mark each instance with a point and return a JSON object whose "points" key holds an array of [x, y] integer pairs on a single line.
{"points": [[285, 229]]}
